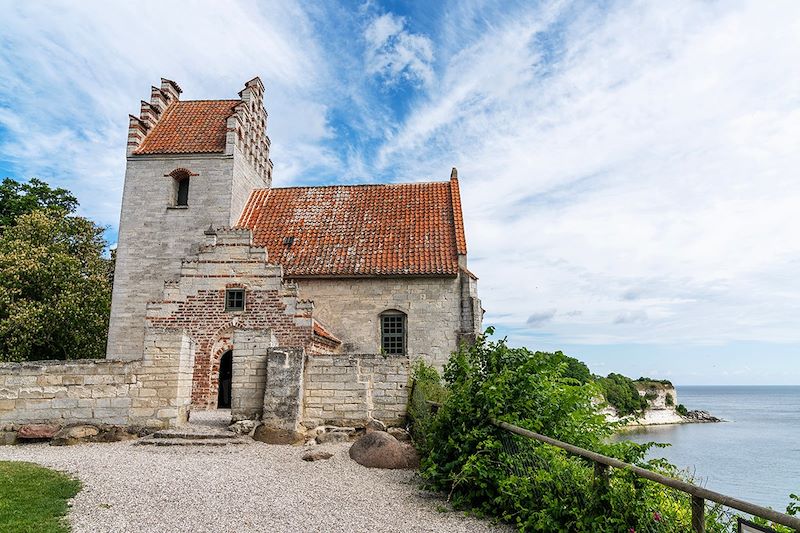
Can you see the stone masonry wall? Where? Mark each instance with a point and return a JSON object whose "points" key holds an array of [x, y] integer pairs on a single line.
{"points": [[249, 372], [349, 389], [152, 392], [350, 309], [154, 235]]}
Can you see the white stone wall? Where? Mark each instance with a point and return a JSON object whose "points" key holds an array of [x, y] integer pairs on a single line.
{"points": [[152, 392], [154, 236], [249, 372], [350, 309], [350, 389]]}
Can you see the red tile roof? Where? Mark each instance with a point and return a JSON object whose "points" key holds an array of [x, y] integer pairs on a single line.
{"points": [[188, 127], [320, 331], [413, 229]]}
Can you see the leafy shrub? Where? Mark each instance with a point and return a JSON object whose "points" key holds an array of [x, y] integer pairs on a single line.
{"points": [[535, 486], [669, 400], [538, 487], [620, 392], [681, 410], [427, 387]]}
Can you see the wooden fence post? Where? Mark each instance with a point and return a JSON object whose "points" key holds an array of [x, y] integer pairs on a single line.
{"points": [[698, 514]]}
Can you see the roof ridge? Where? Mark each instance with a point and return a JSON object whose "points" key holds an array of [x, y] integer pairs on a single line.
{"points": [[209, 100], [404, 184], [458, 217]]}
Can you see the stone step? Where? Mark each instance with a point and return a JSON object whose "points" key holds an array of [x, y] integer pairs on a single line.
{"points": [[194, 434], [162, 441]]}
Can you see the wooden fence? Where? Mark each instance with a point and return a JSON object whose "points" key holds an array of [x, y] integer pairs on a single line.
{"points": [[699, 494]]}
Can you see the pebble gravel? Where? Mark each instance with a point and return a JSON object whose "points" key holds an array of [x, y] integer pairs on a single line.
{"points": [[252, 487]]}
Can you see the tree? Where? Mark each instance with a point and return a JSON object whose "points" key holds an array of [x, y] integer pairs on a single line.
{"points": [[573, 368], [620, 392], [55, 294], [18, 198]]}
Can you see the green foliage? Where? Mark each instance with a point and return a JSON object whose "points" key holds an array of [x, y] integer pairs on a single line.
{"points": [[535, 486], [681, 410], [427, 387], [18, 199], [55, 292], [475, 463], [666, 382], [33, 498], [669, 400], [572, 368], [620, 392]]}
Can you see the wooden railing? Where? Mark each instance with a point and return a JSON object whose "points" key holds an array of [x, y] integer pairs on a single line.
{"points": [[698, 494]]}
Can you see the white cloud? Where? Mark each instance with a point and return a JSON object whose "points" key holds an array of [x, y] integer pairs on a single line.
{"points": [[395, 53], [625, 162], [71, 73], [655, 149]]}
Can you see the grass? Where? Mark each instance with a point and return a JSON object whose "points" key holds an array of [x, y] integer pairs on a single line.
{"points": [[34, 499]]}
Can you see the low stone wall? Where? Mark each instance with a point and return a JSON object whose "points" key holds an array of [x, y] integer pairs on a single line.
{"points": [[66, 391], [154, 391], [349, 389]]}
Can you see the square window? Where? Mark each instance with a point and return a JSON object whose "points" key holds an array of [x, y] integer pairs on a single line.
{"points": [[234, 299]]}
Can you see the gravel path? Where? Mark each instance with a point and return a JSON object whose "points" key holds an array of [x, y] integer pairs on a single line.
{"points": [[255, 487]]}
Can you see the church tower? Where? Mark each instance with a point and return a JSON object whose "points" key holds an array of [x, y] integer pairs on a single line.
{"points": [[191, 166]]}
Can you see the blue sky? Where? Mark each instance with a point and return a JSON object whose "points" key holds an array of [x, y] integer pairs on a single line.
{"points": [[628, 169]]}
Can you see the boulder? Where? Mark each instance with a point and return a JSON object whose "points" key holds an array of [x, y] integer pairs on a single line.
{"points": [[701, 416], [8, 438], [38, 431], [316, 455], [243, 427], [375, 425], [74, 435], [116, 434], [271, 435], [378, 449], [400, 434], [332, 437]]}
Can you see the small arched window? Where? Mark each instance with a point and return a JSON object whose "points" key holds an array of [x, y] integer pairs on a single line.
{"points": [[180, 187], [393, 332]]}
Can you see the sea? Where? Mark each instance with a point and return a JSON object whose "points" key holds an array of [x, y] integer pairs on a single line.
{"points": [[754, 455]]}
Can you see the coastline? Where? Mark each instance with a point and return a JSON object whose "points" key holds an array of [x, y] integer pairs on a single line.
{"points": [[662, 409]]}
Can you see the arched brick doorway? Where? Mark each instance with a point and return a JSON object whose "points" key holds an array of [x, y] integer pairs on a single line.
{"points": [[224, 380]]}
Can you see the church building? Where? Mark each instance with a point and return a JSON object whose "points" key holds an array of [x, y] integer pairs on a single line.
{"points": [[296, 304]]}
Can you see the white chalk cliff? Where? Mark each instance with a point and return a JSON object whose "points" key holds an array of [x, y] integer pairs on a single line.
{"points": [[662, 400]]}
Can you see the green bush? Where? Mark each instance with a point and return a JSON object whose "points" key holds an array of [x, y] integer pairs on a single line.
{"points": [[426, 387], [669, 401], [479, 465], [620, 392], [681, 410], [535, 486]]}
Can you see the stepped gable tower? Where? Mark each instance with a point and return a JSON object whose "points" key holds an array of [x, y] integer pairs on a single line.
{"points": [[191, 165]]}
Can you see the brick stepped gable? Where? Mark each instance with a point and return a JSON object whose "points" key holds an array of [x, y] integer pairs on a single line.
{"points": [[194, 303]]}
